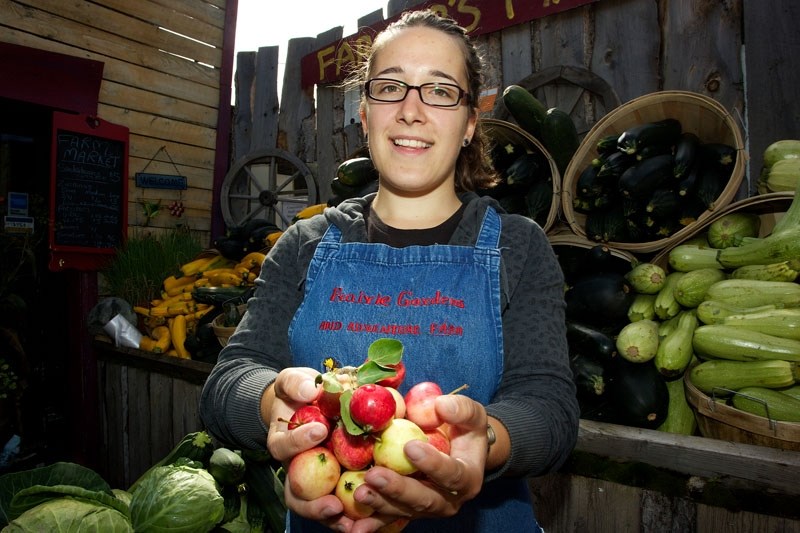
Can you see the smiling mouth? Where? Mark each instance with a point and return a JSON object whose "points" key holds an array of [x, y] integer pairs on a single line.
{"points": [[411, 143]]}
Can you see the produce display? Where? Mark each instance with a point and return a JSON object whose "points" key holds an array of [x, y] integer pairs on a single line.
{"points": [[650, 181], [196, 487], [369, 422], [781, 168]]}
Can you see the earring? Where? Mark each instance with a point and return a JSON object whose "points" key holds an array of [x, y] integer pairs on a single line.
{"points": [[465, 143]]}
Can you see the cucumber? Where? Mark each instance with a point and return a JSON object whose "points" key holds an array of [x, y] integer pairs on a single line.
{"points": [[560, 137], [721, 341], [525, 109], [719, 377], [768, 403]]}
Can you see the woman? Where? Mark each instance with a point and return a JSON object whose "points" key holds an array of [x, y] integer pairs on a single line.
{"points": [[475, 296]]}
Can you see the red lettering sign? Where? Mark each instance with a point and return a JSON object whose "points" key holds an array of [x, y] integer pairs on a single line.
{"points": [[331, 63]]}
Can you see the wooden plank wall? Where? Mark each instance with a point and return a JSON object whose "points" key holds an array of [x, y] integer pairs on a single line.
{"points": [[620, 49], [161, 79]]}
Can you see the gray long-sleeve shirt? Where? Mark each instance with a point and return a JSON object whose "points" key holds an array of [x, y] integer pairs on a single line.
{"points": [[536, 399]]}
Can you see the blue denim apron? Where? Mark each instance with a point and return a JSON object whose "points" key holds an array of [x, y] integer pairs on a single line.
{"points": [[443, 303]]}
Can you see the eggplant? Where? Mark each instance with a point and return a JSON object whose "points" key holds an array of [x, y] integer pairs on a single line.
{"points": [[588, 375], [601, 299], [638, 393], [591, 341]]}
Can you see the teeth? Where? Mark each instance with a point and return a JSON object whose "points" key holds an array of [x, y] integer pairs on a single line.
{"points": [[411, 143]]}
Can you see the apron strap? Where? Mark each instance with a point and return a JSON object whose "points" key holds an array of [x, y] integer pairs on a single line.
{"points": [[489, 236]]}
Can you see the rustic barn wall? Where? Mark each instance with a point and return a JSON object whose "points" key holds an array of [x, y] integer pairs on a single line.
{"points": [[162, 77], [586, 60]]}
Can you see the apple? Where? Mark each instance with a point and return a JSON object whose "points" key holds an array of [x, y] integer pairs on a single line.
{"points": [[309, 413], [313, 473], [354, 452], [399, 403], [396, 380], [388, 451], [439, 439], [349, 481], [328, 403], [372, 407], [420, 404]]}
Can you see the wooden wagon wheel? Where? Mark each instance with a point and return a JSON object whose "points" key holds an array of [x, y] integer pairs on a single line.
{"points": [[575, 90], [271, 184]]}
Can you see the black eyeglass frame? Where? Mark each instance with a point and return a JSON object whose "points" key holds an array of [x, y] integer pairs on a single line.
{"points": [[461, 92]]}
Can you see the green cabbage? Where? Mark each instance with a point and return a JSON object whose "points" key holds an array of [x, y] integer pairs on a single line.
{"points": [[68, 515], [176, 499]]}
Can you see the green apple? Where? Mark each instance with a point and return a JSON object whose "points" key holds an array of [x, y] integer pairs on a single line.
{"points": [[388, 450]]}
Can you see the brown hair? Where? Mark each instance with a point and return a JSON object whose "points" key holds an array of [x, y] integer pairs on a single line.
{"points": [[474, 169]]}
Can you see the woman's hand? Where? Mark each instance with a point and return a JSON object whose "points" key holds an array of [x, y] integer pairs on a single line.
{"points": [[449, 481]]}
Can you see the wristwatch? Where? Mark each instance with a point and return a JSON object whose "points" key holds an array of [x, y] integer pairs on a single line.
{"points": [[491, 437]]}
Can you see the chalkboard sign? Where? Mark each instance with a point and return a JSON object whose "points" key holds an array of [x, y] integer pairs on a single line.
{"points": [[88, 191]]}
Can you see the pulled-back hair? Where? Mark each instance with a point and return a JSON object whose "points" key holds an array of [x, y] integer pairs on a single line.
{"points": [[473, 166]]}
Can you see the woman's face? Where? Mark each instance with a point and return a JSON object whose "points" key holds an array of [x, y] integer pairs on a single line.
{"points": [[414, 145]]}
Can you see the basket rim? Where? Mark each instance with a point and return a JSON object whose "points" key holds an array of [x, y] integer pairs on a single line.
{"points": [[575, 165]]}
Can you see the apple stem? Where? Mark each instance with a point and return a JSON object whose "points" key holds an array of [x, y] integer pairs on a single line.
{"points": [[461, 388]]}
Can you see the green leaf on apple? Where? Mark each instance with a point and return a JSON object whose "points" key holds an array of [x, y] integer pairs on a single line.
{"points": [[349, 425], [372, 372], [330, 383], [385, 351]]}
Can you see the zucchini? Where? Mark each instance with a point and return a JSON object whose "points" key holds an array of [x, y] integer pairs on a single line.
{"points": [[793, 391], [616, 164], [226, 466], [635, 138], [526, 170], [721, 341], [666, 306], [783, 271], [221, 295], [503, 154], [783, 323], [607, 144], [539, 199], [688, 257], [714, 312], [643, 178], [783, 176], [638, 341], [781, 149], [719, 377], [768, 403], [688, 183], [753, 293], [675, 350], [718, 154], [642, 308], [680, 416], [357, 172], [730, 229], [691, 288], [686, 151], [525, 109], [711, 181], [771, 249], [607, 224], [646, 278], [560, 137]]}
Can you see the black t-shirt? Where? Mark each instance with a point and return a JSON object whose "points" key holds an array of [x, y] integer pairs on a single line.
{"points": [[378, 232]]}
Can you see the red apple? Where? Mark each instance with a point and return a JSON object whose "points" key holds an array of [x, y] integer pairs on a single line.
{"points": [[388, 450], [309, 413], [396, 380], [349, 481], [372, 407], [420, 404], [328, 403], [439, 439], [354, 452], [313, 473]]}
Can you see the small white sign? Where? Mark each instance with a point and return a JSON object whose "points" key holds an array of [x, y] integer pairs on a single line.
{"points": [[18, 224]]}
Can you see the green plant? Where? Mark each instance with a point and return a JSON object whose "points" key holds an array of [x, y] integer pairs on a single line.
{"points": [[137, 272]]}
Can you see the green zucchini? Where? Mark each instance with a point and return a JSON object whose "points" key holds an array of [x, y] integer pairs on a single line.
{"points": [[646, 278], [688, 257], [539, 200], [635, 138], [782, 271], [793, 391], [783, 176], [753, 293], [771, 249], [714, 312], [638, 341], [357, 172], [525, 109], [730, 229], [768, 403], [680, 416], [721, 341], [642, 308], [779, 322], [666, 306], [675, 350], [781, 149], [560, 137], [691, 288], [719, 377]]}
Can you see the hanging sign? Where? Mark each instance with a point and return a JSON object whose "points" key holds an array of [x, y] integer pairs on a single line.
{"points": [[332, 63]]}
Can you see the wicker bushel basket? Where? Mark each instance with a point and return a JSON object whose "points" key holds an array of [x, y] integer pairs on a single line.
{"points": [[223, 333], [697, 114], [717, 420], [500, 131]]}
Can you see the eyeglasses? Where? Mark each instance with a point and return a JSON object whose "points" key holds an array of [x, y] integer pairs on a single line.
{"points": [[434, 94]]}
